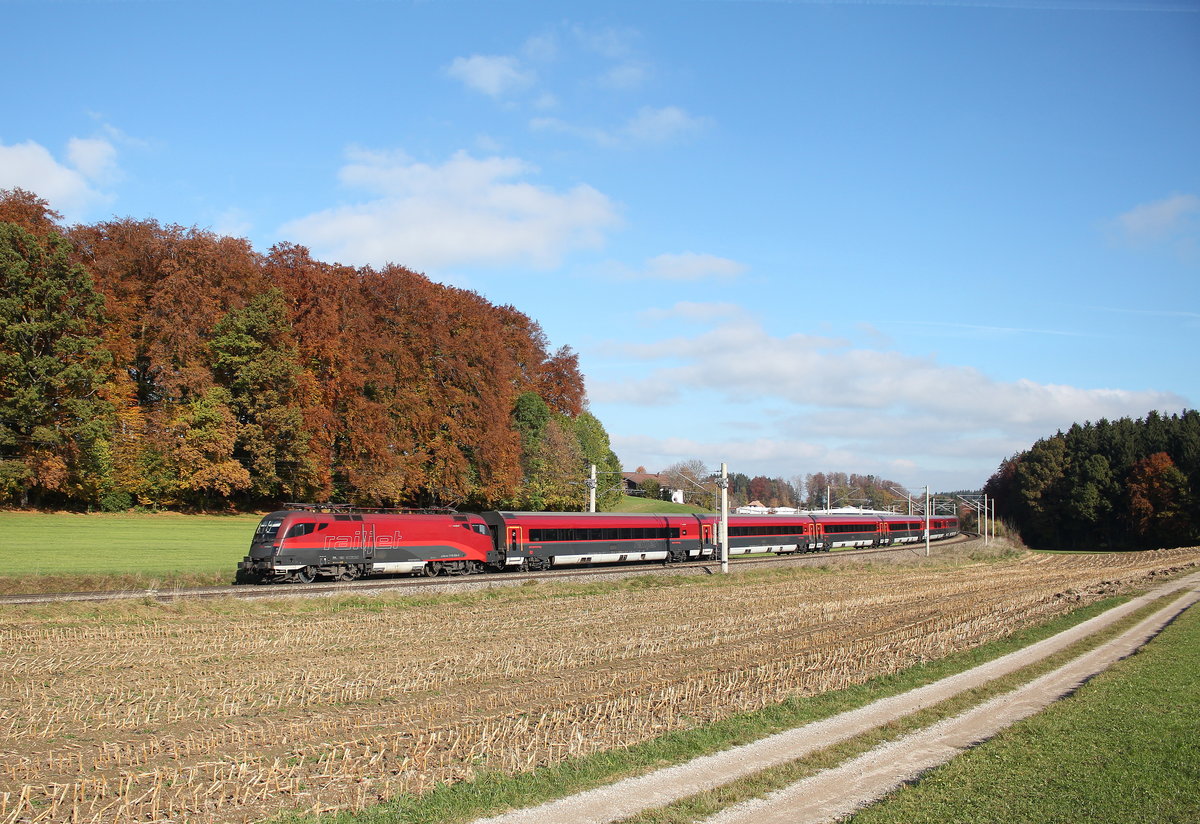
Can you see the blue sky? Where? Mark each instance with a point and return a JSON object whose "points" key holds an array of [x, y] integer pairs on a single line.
{"points": [[900, 238]]}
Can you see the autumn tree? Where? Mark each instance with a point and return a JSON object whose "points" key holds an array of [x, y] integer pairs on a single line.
{"points": [[1159, 501], [52, 365], [254, 358], [205, 431], [442, 375], [560, 383], [332, 328], [167, 287], [30, 212], [554, 479]]}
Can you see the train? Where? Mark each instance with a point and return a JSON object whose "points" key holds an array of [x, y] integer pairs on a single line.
{"points": [[308, 542]]}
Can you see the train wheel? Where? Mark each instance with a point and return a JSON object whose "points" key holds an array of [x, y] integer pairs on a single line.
{"points": [[348, 574], [432, 569], [306, 575]]}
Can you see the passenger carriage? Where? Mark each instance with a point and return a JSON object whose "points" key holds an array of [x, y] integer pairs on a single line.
{"points": [[542, 540], [780, 534]]}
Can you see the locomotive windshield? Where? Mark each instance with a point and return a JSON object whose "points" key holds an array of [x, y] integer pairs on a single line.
{"points": [[266, 530]]}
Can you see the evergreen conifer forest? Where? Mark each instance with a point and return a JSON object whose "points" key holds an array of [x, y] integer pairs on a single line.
{"points": [[1110, 484]]}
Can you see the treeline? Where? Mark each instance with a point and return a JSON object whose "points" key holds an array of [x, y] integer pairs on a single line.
{"points": [[160, 366], [1125, 484], [815, 490], [840, 489], [770, 492]]}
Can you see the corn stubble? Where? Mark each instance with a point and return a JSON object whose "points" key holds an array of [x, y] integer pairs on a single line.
{"points": [[233, 717]]}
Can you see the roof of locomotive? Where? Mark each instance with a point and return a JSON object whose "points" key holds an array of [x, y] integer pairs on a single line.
{"points": [[349, 514]]}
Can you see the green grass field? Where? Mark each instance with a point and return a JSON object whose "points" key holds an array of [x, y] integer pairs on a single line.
{"points": [[628, 503], [1122, 748], [46, 552]]}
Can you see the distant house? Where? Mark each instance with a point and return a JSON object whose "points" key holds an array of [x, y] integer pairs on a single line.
{"points": [[759, 508], [634, 480], [753, 508]]}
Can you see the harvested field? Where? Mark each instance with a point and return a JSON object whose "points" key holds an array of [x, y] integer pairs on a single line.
{"points": [[232, 711]]}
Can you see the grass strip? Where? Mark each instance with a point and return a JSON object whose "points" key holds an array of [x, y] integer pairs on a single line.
{"points": [[709, 803], [491, 792], [1122, 748]]}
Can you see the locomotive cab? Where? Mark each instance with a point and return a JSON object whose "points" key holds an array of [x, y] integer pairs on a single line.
{"points": [[301, 545], [273, 557]]}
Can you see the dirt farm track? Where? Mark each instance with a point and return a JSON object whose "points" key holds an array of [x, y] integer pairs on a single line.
{"points": [[224, 711]]}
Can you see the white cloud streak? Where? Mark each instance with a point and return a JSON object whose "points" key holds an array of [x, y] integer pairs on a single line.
{"points": [[649, 126], [691, 266]]}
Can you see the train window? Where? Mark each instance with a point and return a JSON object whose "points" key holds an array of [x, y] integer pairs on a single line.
{"points": [[610, 534], [267, 530], [296, 530], [847, 528]]}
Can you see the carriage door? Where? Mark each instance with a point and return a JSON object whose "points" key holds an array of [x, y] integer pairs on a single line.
{"points": [[366, 538], [514, 539], [706, 537]]}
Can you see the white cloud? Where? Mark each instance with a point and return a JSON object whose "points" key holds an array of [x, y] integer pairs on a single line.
{"points": [[692, 266], [71, 187], [649, 125], [543, 48], [465, 211], [685, 267], [1173, 219], [93, 157], [653, 125], [623, 76], [494, 75], [610, 43], [873, 410], [692, 310], [600, 137], [233, 222], [741, 360], [782, 458]]}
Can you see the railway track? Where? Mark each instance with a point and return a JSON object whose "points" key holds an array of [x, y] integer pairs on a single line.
{"points": [[452, 583]]}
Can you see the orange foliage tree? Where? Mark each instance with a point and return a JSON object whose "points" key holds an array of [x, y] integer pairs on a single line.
{"points": [[241, 379]]}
